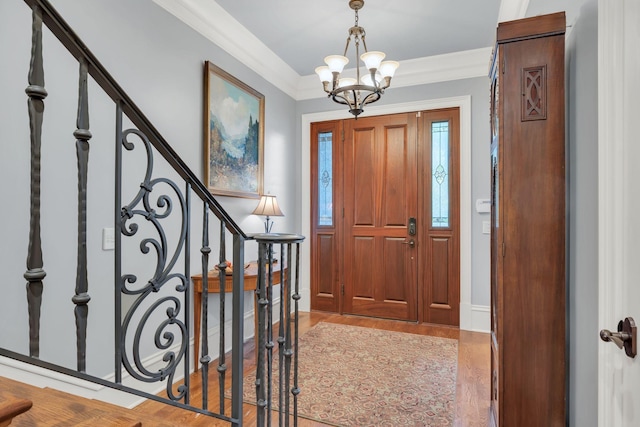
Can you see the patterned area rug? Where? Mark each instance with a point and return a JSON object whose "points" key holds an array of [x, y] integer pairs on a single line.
{"points": [[354, 376]]}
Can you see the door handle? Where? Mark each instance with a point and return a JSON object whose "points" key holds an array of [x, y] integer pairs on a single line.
{"points": [[411, 243], [625, 337]]}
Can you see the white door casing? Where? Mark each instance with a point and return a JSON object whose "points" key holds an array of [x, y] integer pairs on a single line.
{"points": [[467, 317], [619, 205]]}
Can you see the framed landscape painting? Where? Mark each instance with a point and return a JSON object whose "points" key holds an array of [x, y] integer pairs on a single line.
{"points": [[234, 133]]}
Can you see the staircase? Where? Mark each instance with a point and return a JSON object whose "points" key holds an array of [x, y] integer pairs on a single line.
{"points": [[124, 319], [10, 406], [53, 407]]}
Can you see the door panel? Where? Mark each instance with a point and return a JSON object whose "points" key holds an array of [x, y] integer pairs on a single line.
{"points": [[362, 271], [440, 271], [440, 198], [395, 178], [394, 248], [379, 198], [363, 167], [326, 216], [326, 247]]}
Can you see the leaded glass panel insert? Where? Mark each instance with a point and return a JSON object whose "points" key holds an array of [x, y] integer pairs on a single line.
{"points": [[325, 178], [440, 174]]}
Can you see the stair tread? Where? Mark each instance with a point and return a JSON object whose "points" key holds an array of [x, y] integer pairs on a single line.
{"points": [[56, 408], [12, 407]]}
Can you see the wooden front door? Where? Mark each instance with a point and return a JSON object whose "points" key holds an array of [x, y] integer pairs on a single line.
{"points": [[380, 189], [384, 203]]}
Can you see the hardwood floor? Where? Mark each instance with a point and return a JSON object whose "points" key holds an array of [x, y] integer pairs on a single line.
{"points": [[472, 391], [53, 408]]}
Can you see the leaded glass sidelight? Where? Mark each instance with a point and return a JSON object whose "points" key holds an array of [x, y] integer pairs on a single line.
{"points": [[325, 178], [440, 174]]}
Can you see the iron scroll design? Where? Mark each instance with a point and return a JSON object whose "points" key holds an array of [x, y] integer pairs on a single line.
{"points": [[171, 332], [151, 290]]}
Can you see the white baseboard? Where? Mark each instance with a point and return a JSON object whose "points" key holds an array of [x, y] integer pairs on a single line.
{"points": [[41, 377], [481, 318], [475, 318]]}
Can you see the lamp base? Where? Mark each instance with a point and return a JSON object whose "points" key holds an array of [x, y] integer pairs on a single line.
{"points": [[268, 225]]}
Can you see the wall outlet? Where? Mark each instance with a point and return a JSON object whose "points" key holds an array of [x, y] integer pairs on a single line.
{"points": [[108, 239]]}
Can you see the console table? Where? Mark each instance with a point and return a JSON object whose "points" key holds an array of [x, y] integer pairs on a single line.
{"points": [[250, 284]]}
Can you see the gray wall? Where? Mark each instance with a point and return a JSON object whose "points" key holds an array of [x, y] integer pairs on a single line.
{"points": [[582, 124], [159, 62]]}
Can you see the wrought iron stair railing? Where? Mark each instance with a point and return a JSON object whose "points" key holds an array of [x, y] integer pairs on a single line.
{"points": [[152, 300]]}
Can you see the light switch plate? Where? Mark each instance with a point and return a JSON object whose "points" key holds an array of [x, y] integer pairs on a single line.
{"points": [[483, 205], [108, 239], [486, 227]]}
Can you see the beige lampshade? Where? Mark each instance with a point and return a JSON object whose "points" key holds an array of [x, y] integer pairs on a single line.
{"points": [[336, 63], [388, 68], [372, 59], [268, 206], [324, 73]]}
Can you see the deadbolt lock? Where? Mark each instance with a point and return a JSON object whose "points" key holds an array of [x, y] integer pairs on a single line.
{"points": [[412, 227]]}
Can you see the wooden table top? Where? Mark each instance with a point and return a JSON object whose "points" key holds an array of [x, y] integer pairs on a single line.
{"points": [[250, 278]]}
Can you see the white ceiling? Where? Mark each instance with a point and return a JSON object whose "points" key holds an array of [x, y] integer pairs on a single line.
{"points": [[302, 33], [284, 40]]}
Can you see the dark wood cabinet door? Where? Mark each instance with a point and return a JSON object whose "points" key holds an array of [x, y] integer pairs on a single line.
{"points": [[528, 271]]}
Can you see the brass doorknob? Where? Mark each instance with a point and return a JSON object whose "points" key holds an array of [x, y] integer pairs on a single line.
{"points": [[624, 338]]}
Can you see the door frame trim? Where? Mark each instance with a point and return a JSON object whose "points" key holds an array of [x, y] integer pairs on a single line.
{"points": [[612, 238], [466, 212]]}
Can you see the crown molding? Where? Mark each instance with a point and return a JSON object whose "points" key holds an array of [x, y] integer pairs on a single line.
{"points": [[210, 20]]}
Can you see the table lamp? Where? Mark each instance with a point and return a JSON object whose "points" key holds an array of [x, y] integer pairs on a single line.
{"points": [[268, 206]]}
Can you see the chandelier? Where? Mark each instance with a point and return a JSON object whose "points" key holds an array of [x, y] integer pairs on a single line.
{"points": [[359, 91]]}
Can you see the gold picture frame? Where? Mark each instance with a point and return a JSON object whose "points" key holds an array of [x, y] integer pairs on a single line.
{"points": [[233, 135]]}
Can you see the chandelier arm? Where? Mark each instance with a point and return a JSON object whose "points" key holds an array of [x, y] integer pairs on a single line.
{"points": [[346, 47], [355, 108], [364, 43], [334, 84], [353, 88], [376, 84], [355, 95], [387, 83], [341, 99], [369, 100]]}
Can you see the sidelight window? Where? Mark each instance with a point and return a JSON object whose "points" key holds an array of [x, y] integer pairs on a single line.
{"points": [[325, 178], [440, 174]]}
